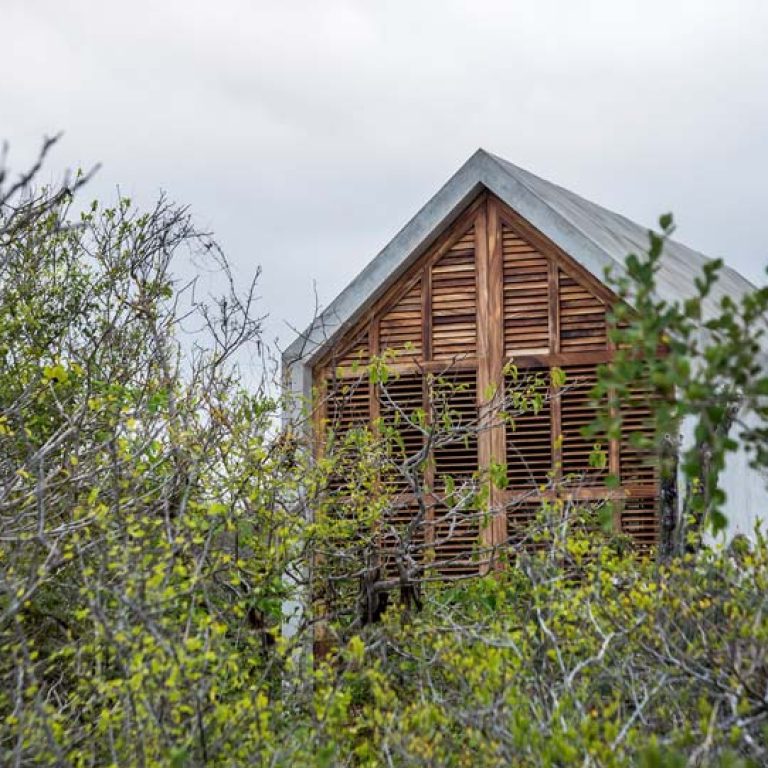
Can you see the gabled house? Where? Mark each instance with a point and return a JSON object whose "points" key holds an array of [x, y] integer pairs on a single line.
{"points": [[501, 265]]}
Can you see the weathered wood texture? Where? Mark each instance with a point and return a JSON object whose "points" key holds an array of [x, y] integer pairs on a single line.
{"points": [[491, 290]]}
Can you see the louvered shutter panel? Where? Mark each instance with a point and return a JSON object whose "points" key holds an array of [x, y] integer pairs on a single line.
{"points": [[526, 296], [347, 409], [521, 512], [355, 355], [456, 398], [640, 520], [578, 411], [638, 465], [456, 526], [403, 535], [348, 404], [401, 400], [529, 438], [456, 535], [401, 326], [454, 301], [582, 318]]}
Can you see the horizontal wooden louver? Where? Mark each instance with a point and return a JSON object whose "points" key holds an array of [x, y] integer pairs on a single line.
{"points": [[347, 409], [403, 538], [528, 433], [348, 404], [454, 301], [638, 463], [401, 408], [582, 318], [351, 359], [456, 534], [577, 411], [401, 327], [521, 514], [526, 296], [640, 520], [454, 402]]}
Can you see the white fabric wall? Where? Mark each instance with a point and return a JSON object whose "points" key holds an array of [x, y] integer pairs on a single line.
{"points": [[746, 489]]}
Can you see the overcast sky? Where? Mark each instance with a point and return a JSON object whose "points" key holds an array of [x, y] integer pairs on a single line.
{"points": [[306, 133]]}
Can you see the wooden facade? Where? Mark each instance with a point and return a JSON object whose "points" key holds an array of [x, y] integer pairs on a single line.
{"points": [[491, 290]]}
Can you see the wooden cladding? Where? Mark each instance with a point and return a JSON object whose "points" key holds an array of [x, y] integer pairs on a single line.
{"points": [[529, 443], [577, 411], [348, 404], [636, 427], [582, 317], [548, 304], [400, 328], [493, 290], [455, 403], [526, 296], [454, 301], [401, 409]]}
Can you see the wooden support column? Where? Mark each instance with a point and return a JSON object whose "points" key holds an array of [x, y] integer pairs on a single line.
{"points": [[554, 349], [373, 346], [490, 356]]}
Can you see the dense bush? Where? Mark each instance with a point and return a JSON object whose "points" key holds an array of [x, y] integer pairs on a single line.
{"points": [[581, 656]]}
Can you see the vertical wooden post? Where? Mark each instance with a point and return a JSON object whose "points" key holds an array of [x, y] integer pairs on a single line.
{"points": [[426, 313], [373, 395], [490, 355], [554, 349], [614, 453]]}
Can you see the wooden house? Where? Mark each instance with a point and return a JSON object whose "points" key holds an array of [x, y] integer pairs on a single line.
{"points": [[502, 266]]}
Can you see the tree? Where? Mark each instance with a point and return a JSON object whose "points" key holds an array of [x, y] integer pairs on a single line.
{"points": [[707, 364], [142, 544]]}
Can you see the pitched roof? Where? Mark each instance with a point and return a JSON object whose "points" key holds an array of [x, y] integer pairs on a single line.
{"points": [[592, 235]]}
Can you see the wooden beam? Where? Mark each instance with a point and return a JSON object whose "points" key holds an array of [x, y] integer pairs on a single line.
{"points": [[495, 364], [426, 312]]}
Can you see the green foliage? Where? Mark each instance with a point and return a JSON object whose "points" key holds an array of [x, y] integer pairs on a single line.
{"points": [[143, 549], [703, 359], [156, 525], [579, 656]]}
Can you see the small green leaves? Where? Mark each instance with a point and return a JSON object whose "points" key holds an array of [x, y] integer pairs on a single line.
{"points": [[598, 458], [55, 374], [557, 377], [356, 649], [498, 474], [666, 223]]}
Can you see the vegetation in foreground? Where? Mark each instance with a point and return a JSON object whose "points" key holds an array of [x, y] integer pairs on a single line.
{"points": [[153, 528]]}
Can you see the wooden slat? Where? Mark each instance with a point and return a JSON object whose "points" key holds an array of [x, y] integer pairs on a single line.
{"points": [[640, 520], [456, 542], [582, 317], [529, 436], [638, 465], [454, 300], [455, 396], [400, 328], [402, 537], [401, 408], [521, 512], [347, 408], [354, 357], [526, 296], [577, 412]]}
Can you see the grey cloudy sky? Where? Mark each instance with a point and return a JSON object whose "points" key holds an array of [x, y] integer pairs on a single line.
{"points": [[306, 133]]}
